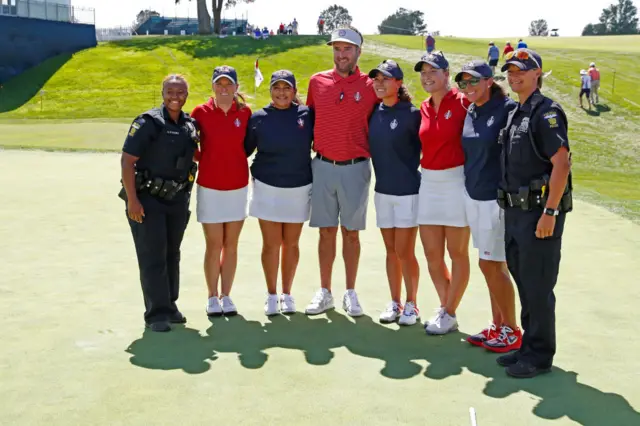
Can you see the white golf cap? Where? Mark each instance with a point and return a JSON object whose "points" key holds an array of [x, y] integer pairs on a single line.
{"points": [[583, 72], [346, 35], [592, 64]]}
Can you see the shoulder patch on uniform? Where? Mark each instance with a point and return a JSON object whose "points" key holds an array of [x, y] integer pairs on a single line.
{"points": [[552, 118], [550, 114], [135, 126]]}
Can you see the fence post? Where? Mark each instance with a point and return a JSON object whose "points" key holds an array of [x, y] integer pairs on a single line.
{"points": [[613, 88]]}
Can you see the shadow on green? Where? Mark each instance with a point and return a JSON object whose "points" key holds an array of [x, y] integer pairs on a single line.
{"points": [[560, 393], [20, 89], [205, 46]]}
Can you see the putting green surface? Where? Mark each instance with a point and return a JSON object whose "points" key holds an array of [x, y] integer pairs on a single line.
{"points": [[74, 350]]}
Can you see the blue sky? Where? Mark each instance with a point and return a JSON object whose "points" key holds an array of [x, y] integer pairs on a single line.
{"points": [[464, 18]]}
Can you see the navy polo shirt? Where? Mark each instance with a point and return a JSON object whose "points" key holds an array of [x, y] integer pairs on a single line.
{"points": [[283, 141], [482, 126], [395, 147]]}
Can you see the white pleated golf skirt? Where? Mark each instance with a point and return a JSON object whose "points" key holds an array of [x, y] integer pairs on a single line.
{"points": [[221, 206], [284, 205], [486, 221], [441, 198]]}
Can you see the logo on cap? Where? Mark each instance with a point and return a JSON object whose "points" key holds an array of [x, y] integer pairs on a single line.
{"points": [[342, 33]]}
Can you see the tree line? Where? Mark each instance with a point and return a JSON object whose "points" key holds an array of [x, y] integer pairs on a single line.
{"points": [[617, 19]]}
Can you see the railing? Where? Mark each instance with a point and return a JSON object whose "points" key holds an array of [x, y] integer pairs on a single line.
{"points": [[48, 10]]}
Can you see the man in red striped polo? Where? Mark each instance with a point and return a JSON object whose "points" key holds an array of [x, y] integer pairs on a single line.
{"points": [[342, 99]]}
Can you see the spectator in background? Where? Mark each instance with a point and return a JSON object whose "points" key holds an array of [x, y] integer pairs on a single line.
{"points": [[493, 56], [265, 33], [320, 25], [281, 29], [257, 34], [585, 87], [295, 26], [289, 29], [522, 44], [594, 73], [431, 43], [507, 49]]}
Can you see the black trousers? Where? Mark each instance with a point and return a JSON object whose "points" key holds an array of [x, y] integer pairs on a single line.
{"points": [[157, 240], [534, 264]]}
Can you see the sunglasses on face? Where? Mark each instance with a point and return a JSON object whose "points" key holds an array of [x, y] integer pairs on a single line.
{"points": [[463, 84]]}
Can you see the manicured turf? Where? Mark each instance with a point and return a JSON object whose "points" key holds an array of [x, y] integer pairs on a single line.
{"points": [[74, 350]]}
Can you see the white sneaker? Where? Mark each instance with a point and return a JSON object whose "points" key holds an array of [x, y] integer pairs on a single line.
{"points": [[228, 308], [438, 313], [443, 325], [213, 307], [271, 305], [391, 313], [287, 304], [322, 301], [351, 304], [410, 315]]}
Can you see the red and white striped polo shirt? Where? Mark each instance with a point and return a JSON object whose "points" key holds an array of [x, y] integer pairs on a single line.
{"points": [[342, 109]]}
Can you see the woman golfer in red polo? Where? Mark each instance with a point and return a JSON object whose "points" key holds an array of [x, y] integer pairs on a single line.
{"points": [[441, 208], [223, 182]]}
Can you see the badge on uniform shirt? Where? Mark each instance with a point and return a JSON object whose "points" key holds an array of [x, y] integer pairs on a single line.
{"points": [[357, 96], [393, 124], [447, 115], [237, 122], [490, 121], [134, 128], [300, 123]]}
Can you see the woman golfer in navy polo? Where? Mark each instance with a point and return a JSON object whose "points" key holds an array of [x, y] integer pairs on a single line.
{"points": [[486, 116], [282, 132], [395, 152]]}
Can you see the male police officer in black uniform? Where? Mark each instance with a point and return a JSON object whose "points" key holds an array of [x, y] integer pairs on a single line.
{"points": [[157, 177], [535, 193]]}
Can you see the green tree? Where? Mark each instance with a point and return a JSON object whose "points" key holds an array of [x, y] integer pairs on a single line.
{"points": [[143, 15], [403, 22], [335, 17], [204, 18], [539, 27], [617, 19]]}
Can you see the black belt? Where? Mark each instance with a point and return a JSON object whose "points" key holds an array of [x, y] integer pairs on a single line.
{"points": [[341, 163], [513, 200]]}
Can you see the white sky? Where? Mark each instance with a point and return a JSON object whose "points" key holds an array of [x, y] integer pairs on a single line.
{"points": [[464, 18]]}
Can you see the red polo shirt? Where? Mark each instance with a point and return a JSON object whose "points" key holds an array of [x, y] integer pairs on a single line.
{"points": [[342, 108], [441, 132], [223, 162]]}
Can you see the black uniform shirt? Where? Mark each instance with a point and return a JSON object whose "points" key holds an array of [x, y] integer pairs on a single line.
{"points": [[550, 134], [164, 151]]}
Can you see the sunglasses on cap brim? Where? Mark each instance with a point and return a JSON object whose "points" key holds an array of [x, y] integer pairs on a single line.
{"points": [[521, 55]]}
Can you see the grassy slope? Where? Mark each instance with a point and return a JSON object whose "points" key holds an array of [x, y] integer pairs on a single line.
{"points": [[116, 81], [606, 144]]}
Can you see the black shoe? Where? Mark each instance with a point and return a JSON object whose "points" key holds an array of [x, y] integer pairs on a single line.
{"points": [[178, 318], [159, 326], [508, 359], [525, 370]]}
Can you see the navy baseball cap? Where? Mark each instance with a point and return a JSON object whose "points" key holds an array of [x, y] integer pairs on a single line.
{"points": [[283, 75], [388, 68], [525, 59], [435, 59], [225, 71], [478, 69]]}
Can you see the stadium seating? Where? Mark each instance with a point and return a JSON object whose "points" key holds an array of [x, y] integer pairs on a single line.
{"points": [[156, 25], [27, 42]]}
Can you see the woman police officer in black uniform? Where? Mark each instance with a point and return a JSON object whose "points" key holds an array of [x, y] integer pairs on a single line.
{"points": [[536, 194], [157, 177]]}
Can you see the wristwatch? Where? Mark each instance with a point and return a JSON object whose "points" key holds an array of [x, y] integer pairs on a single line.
{"points": [[551, 212]]}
